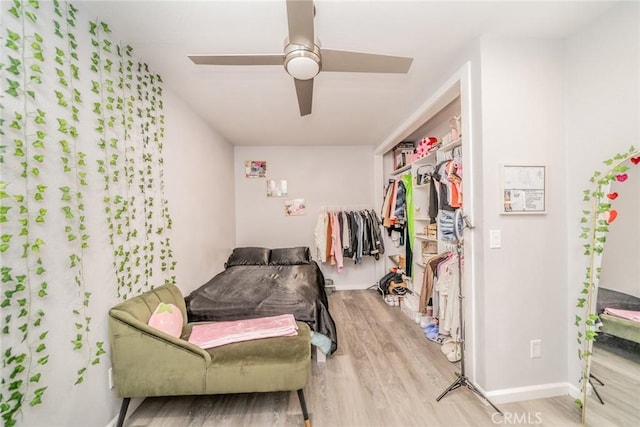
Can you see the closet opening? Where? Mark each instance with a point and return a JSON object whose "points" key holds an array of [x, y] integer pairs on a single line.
{"points": [[425, 181]]}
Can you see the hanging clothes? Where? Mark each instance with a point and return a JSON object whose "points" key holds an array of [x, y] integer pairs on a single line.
{"points": [[394, 210], [428, 280], [407, 182], [351, 252], [443, 188], [386, 205], [342, 235], [320, 237], [397, 215], [454, 177], [336, 244], [445, 225], [433, 200], [448, 184], [329, 244], [346, 240], [377, 244], [446, 292], [408, 253]]}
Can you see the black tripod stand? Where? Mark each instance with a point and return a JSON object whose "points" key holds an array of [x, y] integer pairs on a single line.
{"points": [[462, 380], [595, 390]]}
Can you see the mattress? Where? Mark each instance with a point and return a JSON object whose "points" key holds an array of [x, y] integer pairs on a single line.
{"points": [[250, 291]]}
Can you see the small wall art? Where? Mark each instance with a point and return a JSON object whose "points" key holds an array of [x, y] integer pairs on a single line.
{"points": [[294, 207], [255, 168], [276, 188], [523, 189]]}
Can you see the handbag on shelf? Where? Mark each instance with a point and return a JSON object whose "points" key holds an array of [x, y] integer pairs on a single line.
{"points": [[423, 174]]}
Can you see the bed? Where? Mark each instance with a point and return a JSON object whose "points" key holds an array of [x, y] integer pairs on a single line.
{"points": [[259, 282]]}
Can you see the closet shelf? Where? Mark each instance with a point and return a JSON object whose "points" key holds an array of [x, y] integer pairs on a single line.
{"points": [[429, 158], [450, 146], [402, 169], [425, 237], [422, 219]]}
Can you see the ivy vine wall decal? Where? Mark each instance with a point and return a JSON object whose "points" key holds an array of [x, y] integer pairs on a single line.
{"points": [[595, 226], [82, 128]]}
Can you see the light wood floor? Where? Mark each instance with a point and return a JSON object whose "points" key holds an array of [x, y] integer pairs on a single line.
{"points": [[620, 393], [385, 373]]}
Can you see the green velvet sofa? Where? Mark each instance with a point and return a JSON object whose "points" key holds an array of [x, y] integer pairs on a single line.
{"points": [[147, 362]]}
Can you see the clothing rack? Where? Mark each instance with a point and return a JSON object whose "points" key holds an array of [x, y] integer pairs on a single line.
{"points": [[332, 208], [345, 232]]}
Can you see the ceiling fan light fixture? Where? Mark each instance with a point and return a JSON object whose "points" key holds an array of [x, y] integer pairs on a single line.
{"points": [[302, 64]]}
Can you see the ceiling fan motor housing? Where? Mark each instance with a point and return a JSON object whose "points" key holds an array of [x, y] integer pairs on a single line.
{"points": [[302, 62]]}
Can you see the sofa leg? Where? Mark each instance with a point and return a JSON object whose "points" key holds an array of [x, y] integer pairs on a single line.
{"points": [[123, 411], [303, 405]]}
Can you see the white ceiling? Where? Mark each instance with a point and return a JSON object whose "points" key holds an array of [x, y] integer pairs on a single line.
{"points": [[256, 105]]}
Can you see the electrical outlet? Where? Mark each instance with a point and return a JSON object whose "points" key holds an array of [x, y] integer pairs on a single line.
{"points": [[110, 378], [535, 349]]}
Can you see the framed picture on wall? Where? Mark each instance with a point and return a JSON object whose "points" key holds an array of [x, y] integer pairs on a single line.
{"points": [[294, 207], [524, 189], [255, 168], [276, 188]]}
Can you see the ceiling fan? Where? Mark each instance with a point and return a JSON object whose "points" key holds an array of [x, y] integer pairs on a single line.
{"points": [[303, 58]]}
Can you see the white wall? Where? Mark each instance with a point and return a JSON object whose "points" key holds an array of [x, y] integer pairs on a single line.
{"points": [[199, 176], [196, 161], [323, 176], [523, 290], [603, 118]]}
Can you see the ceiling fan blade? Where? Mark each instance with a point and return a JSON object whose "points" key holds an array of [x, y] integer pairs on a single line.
{"points": [[300, 18], [360, 62], [268, 59], [304, 90]]}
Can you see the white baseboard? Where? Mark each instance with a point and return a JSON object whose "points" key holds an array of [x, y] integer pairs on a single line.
{"points": [[518, 394], [575, 392], [133, 405]]}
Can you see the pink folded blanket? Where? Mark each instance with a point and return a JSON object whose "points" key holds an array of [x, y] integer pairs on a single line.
{"points": [[208, 335], [625, 314]]}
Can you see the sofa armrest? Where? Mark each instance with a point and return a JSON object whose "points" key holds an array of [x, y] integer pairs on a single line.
{"points": [[148, 362], [126, 318]]}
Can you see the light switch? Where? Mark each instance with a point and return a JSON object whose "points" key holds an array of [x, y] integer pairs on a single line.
{"points": [[494, 239], [535, 349]]}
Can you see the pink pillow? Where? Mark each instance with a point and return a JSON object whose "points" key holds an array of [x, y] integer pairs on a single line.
{"points": [[168, 319]]}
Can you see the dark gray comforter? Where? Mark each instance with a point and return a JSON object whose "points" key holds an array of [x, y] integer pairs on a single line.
{"points": [[249, 291]]}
